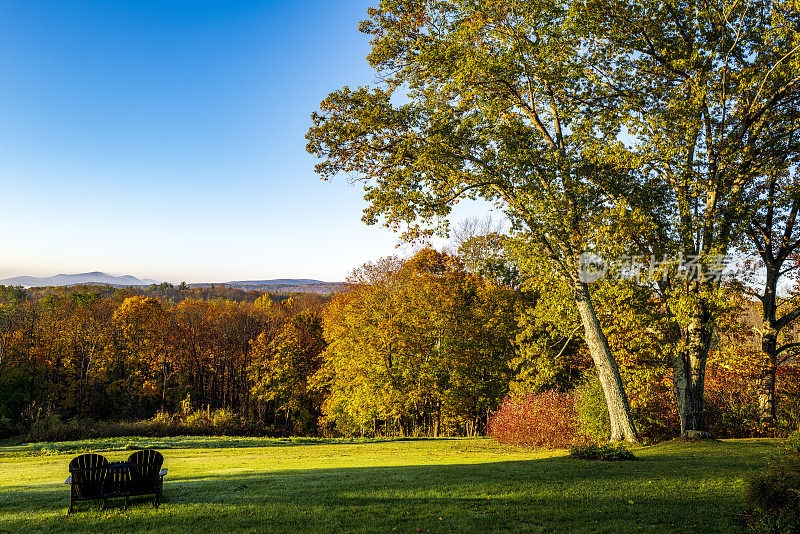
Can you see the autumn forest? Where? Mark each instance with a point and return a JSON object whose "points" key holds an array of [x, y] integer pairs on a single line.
{"points": [[427, 345]]}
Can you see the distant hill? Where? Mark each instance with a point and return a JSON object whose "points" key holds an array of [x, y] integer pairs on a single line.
{"points": [[277, 282], [283, 285], [75, 279]]}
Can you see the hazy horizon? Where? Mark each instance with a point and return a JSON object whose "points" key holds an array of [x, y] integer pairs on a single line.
{"points": [[175, 281]]}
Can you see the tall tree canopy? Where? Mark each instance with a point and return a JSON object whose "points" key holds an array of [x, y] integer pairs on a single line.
{"points": [[708, 93], [496, 106], [643, 124]]}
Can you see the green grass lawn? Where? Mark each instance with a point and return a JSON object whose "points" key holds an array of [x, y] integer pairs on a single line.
{"points": [[218, 485]]}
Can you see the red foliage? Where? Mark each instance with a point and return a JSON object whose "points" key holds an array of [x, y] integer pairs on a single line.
{"points": [[731, 404], [788, 389], [546, 420]]}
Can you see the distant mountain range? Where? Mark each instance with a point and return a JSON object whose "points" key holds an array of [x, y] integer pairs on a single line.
{"points": [[75, 279], [277, 285]]}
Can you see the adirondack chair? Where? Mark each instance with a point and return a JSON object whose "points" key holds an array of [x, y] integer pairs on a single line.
{"points": [[87, 478], [146, 474]]}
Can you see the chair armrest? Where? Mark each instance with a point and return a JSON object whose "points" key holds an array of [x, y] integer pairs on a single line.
{"points": [[69, 480], [163, 472]]}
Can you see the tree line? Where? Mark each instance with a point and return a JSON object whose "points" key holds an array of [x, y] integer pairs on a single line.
{"points": [[104, 353], [427, 345]]}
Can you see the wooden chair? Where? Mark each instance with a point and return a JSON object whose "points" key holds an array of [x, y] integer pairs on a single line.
{"points": [[87, 479], [146, 474]]}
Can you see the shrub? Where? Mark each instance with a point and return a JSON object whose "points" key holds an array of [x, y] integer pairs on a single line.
{"points": [[605, 453], [788, 390], [225, 422], [731, 404], [652, 409], [546, 420], [793, 442], [774, 494], [197, 422], [50, 427], [592, 410]]}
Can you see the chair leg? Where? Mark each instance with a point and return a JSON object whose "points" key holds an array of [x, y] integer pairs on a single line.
{"points": [[126, 503]]}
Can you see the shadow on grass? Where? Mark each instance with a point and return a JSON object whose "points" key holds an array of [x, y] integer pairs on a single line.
{"points": [[670, 488]]}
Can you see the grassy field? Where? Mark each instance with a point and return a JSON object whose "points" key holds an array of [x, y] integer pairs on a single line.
{"points": [[218, 485]]}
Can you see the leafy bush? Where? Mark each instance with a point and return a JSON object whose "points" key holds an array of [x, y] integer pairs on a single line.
{"points": [[50, 427], [774, 494], [731, 403], [546, 420], [592, 409], [218, 423], [788, 390], [652, 407], [225, 422], [605, 453], [793, 442]]}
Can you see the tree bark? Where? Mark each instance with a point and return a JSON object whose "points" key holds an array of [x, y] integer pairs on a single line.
{"points": [[689, 371], [164, 381], [766, 382], [622, 426]]}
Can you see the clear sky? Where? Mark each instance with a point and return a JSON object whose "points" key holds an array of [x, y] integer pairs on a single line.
{"points": [[165, 139]]}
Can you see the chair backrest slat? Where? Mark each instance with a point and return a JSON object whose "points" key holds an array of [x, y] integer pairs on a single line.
{"points": [[88, 474], [144, 467]]}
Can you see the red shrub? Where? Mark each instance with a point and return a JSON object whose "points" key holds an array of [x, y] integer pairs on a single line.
{"points": [[731, 404], [788, 390], [546, 420]]}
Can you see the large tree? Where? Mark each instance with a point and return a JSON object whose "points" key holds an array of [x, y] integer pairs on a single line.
{"points": [[707, 91], [281, 369], [774, 236], [486, 99], [419, 345]]}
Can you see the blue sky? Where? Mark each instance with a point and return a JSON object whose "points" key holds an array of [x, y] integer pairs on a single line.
{"points": [[166, 139]]}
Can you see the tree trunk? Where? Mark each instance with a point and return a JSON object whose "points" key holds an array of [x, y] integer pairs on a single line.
{"points": [[770, 328], [766, 382], [81, 391], [689, 371], [622, 427], [766, 398]]}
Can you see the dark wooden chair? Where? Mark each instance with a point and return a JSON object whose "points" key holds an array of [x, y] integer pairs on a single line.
{"points": [[87, 478], [92, 477], [146, 474]]}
